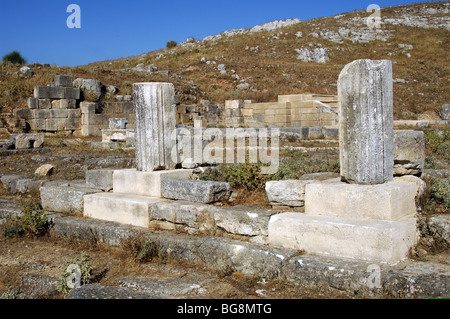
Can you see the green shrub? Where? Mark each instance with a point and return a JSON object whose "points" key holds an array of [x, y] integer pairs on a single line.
{"points": [[171, 44], [246, 175], [32, 221], [14, 57], [438, 142], [148, 251], [440, 191], [67, 276]]}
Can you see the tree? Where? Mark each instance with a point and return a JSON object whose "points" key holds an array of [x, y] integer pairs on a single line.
{"points": [[14, 57], [171, 44]]}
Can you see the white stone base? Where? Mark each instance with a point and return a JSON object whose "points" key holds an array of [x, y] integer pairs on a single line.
{"points": [[389, 201], [120, 208], [131, 181], [369, 240]]}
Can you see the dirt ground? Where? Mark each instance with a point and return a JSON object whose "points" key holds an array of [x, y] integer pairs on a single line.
{"points": [[48, 256]]}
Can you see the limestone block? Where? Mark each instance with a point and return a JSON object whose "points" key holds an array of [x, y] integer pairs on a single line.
{"points": [[68, 104], [33, 103], [44, 170], [155, 124], [63, 80], [45, 103], [37, 124], [64, 199], [100, 178], [88, 107], [118, 123], [74, 113], [49, 92], [56, 104], [131, 181], [409, 152], [286, 193], [55, 124], [242, 220], [234, 104], [58, 113], [195, 190], [40, 114], [389, 201], [25, 141], [366, 129], [91, 130], [72, 123], [182, 215], [445, 112], [120, 208], [369, 240]]}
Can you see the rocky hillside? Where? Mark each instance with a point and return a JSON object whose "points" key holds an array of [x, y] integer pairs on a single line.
{"points": [[282, 57]]}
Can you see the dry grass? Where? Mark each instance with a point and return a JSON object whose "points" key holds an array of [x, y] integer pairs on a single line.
{"points": [[273, 69]]}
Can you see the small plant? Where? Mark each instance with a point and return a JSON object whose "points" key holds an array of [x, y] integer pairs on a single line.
{"points": [[32, 221], [148, 252], [11, 293], [171, 44], [75, 273], [14, 57], [440, 191], [245, 175]]}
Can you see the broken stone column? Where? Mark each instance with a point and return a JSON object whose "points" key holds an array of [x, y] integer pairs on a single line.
{"points": [[366, 124], [154, 109]]}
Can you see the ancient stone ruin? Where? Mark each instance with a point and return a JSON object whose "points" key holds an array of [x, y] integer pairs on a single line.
{"points": [[373, 217]]}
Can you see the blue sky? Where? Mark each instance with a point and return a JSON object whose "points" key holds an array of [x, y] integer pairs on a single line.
{"points": [[116, 29]]}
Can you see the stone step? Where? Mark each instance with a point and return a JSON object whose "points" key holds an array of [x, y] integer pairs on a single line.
{"points": [[194, 190], [369, 240], [126, 209], [389, 201], [131, 181]]}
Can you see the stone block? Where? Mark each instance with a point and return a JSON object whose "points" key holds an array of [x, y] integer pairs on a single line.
{"points": [[58, 113], [445, 112], [242, 220], [45, 103], [72, 93], [195, 190], [131, 181], [88, 107], [74, 113], [100, 178], [118, 123], [37, 124], [91, 130], [286, 193], [56, 104], [366, 129], [120, 208], [376, 241], [25, 141], [154, 116], [389, 201], [68, 104], [72, 123], [409, 152], [40, 114], [193, 218], [63, 80], [49, 92], [33, 103], [64, 199], [55, 124]]}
